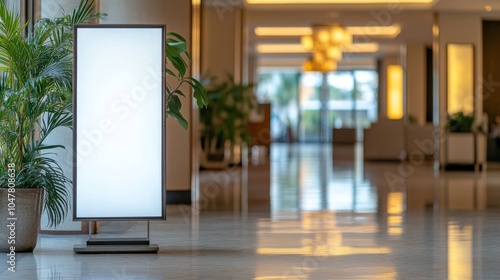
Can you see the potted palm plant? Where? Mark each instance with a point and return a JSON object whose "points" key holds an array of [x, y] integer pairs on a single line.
{"points": [[35, 99]]}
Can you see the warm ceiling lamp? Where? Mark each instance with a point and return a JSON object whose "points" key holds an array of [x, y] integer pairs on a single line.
{"points": [[300, 49], [325, 42], [325, 35], [390, 31], [279, 2], [321, 66], [373, 30], [283, 31], [280, 48]]}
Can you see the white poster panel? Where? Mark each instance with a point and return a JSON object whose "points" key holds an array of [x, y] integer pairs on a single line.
{"points": [[119, 122]]}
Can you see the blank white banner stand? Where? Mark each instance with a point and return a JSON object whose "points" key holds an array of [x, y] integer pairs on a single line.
{"points": [[119, 130]]}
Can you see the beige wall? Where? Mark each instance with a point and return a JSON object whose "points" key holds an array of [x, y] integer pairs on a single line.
{"points": [[176, 14], [221, 42], [415, 64], [459, 28]]}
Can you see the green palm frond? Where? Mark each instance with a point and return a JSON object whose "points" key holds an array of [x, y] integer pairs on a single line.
{"points": [[35, 99]]}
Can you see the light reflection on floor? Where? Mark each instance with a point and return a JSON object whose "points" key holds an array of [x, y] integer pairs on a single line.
{"points": [[313, 178], [427, 224], [314, 212]]}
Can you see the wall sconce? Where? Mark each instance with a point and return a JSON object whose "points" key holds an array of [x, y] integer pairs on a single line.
{"points": [[394, 92], [460, 78]]}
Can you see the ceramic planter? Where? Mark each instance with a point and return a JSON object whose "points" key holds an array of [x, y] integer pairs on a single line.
{"points": [[28, 210], [461, 148]]}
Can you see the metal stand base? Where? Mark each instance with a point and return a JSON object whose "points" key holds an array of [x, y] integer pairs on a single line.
{"points": [[116, 245]]}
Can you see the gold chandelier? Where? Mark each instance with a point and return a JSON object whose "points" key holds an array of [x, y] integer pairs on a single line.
{"points": [[325, 43]]}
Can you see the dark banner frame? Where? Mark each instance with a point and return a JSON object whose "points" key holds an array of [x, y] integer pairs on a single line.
{"points": [[163, 120]]}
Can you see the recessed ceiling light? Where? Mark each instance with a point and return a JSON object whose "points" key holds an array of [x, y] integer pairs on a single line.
{"points": [[283, 31], [386, 31], [391, 30], [298, 48], [488, 8], [281, 48], [274, 2]]}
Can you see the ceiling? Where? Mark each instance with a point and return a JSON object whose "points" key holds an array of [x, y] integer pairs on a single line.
{"points": [[415, 21]]}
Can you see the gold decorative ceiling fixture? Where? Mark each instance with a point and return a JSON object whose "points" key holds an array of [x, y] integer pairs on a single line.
{"points": [[326, 44]]}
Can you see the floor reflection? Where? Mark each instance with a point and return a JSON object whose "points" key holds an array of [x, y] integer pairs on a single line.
{"points": [[459, 251], [402, 207], [312, 178], [308, 212], [319, 177]]}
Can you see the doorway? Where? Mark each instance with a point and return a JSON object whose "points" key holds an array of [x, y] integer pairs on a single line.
{"points": [[309, 105]]}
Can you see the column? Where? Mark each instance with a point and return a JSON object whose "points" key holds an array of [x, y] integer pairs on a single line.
{"points": [[222, 41], [416, 82], [449, 28]]}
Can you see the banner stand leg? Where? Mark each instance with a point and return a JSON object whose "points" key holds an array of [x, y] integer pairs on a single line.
{"points": [[116, 245]]}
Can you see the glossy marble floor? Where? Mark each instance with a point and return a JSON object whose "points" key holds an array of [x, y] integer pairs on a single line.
{"points": [[310, 212]]}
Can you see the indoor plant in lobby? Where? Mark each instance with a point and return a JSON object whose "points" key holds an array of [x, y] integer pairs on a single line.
{"points": [[460, 137], [35, 99], [224, 123]]}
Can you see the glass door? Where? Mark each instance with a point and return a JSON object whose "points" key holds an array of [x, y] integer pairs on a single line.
{"points": [[310, 105], [307, 106], [341, 99], [280, 88]]}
